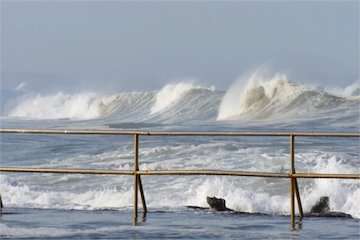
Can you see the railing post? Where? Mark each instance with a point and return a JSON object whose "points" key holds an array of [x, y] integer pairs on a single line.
{"points": [[136, 184], [298, 198], [1, 203], [142, 196], [292, 180]]}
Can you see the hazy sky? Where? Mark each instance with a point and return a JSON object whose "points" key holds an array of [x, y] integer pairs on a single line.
{"points": [[143, 45]]}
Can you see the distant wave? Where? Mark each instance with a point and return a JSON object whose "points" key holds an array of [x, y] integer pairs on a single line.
{"points": [[264, 97], [60, 105], [174, 102], [260, 97], [171, 93]]}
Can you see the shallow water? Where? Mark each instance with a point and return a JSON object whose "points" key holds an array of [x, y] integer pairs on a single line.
{"points": [[180, 224]]}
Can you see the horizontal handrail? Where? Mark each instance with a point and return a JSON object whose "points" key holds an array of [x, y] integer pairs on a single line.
{"points": [[66, 171], [175, 133], [182, 172], [327, 175]]}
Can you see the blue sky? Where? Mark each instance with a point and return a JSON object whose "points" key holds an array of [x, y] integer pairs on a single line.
{"points": [[119, 45]]}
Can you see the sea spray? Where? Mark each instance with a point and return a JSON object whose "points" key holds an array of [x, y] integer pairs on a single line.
{"points": [[259, 93], [60, 105], [264, 97], [171, 93], [274, 97]]}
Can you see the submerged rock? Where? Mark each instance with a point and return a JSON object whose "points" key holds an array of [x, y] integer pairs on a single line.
{"points": [[322, 209], [322, 206], [217, 204], [329, 214]]}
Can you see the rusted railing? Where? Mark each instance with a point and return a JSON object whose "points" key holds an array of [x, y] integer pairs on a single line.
{"points": [[136, 172]]}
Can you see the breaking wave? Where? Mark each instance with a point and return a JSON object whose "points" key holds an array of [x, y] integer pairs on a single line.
{"points": [[60, 105], [259, 97], [174, 102], [275, 97], [171, 93]]}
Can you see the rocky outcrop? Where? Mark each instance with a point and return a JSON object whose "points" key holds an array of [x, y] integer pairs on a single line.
{"points": [[217, 204], [322, 206], [320, 209]]}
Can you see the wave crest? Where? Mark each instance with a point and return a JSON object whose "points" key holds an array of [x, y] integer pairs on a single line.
{"points": [[276, 97], [60, 105], [171, 93]]}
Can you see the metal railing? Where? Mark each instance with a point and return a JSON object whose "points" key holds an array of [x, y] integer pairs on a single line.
{"points": [[137, 173]]}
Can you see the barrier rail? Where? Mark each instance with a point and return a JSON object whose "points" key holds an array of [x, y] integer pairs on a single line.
{"points": [[136, 172]]}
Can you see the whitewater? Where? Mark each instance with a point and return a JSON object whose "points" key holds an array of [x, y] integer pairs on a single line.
{"points": [[257, 102]]}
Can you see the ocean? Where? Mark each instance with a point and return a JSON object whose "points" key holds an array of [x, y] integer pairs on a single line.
{"points": [[49, 206]]}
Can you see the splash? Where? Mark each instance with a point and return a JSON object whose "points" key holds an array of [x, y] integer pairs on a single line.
{"points": [[60, 105], [274, 97], [351, 91], [257, 94], [170, 94], [259, 97]]}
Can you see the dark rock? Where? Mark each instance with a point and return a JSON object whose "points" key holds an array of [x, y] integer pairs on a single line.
{"points": [[197, 207], [217, 204], [322, 209], [330, 214], [322, 206]]}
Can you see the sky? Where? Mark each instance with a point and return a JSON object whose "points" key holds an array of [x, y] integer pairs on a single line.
{"points": [[120, 45]]}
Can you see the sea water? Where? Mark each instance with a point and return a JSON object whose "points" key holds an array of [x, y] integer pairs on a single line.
{"points": [[91, 207]]}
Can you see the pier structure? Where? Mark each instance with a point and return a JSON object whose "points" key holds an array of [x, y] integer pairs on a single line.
{"points": [[136, 172]]}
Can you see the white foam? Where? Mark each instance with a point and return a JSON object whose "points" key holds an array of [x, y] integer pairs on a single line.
{"points": [[274, 97], [350, 91], [171, 93], [259, 92], [242, 194], [59, 105]]}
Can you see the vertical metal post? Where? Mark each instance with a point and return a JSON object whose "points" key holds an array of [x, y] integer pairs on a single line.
{"points": [[292, 181], [301, 213], [142, 196], [1, 203], [136, 184]]}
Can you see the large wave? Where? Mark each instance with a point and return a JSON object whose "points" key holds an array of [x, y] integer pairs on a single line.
{"points": [[260, 97], [275, 97], [174, 102], [60, 105]]}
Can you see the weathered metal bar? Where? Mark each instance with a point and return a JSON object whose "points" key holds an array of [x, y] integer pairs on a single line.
{"points": [[142, 196], [292, 154], [292, 202], [183, 172], [136, 184], [211, 172], [66, 171], [327, 175], [293, 171], [298, 199], [292, 181], [174, 133]]}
